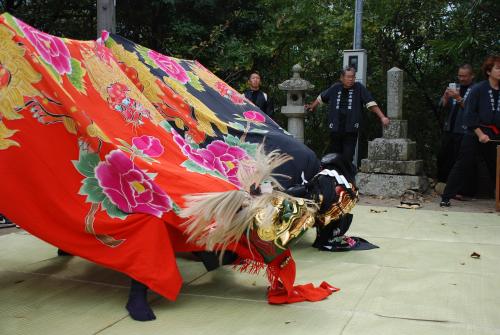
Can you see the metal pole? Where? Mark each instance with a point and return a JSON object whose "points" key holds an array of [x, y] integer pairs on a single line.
{"points": [[358, 34], [358, 23], [106, 16]]}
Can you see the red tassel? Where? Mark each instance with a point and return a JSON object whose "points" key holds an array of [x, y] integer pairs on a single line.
{"points": [[281, 275], [282, 290], [250, 266]]}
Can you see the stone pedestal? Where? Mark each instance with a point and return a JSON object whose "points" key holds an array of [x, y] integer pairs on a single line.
{"points": [[391, 167], [295, 125], [295, 100], [389, 185]]}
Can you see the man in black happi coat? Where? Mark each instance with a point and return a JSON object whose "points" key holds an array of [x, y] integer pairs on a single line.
{"points": [[345, 101]]}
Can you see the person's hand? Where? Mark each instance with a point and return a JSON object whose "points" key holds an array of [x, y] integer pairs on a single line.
{"points": [[385, 121], [308, 108], [446, 93], [484, 138], [455, 94]]}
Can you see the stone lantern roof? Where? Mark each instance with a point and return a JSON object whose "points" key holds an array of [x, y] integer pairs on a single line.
{"points": [[296, 83]]}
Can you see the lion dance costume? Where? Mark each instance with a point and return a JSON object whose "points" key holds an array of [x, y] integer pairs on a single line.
{"points": [[124, 156]]}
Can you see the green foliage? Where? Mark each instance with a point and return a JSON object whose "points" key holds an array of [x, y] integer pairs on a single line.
{"points": [[428, 39], [65, 18]]}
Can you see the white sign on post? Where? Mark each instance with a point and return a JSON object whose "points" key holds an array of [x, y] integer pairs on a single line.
{"points": [[356, 59]]}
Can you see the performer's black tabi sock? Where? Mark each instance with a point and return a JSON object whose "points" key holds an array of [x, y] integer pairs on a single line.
{"points": [[137, 305]]}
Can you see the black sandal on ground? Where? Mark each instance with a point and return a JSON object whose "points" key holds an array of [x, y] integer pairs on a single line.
{"points": [[444, 203]]}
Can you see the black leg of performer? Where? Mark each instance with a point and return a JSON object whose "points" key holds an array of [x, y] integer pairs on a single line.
{"points": [[137, 305], [211, 259]]}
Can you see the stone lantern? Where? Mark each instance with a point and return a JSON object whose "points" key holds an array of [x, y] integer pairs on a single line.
{"points": [[294, 110]]}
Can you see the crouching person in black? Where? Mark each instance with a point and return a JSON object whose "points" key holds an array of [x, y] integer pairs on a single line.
{"points": [[334, 190]]}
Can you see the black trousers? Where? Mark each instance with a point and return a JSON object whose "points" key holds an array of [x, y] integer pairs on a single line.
{"points": [[448, 154], [344, 144], [470, 149]]}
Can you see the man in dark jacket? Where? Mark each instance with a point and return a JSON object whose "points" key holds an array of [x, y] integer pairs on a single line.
{"points": [[255, 95], [345, 105], [453, 102]]}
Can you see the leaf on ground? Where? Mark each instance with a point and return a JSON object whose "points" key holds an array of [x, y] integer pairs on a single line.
{"points": [[475, 255], [377, 210]]}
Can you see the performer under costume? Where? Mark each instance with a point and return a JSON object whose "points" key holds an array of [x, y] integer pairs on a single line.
{"points": [[101, 141], [334, 190]]}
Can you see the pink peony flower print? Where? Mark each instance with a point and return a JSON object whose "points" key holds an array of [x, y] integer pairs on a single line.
{"points": [[51, 48], [170, 66], [227, 92], [132, 110], [254, 116], [217, 156], [149, 145], [237, 98], [222, 88], [103, 52], [129, 188]]}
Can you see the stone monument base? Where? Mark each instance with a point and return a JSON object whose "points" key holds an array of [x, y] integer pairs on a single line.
{"points": [[413, 168], [388, 185]]}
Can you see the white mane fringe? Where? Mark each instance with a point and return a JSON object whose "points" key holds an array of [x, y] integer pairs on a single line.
{"points": [[216, 220], [255, 171]]}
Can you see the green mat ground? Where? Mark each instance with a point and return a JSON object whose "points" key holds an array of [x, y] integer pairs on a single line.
{"points": [[422, 280]]}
